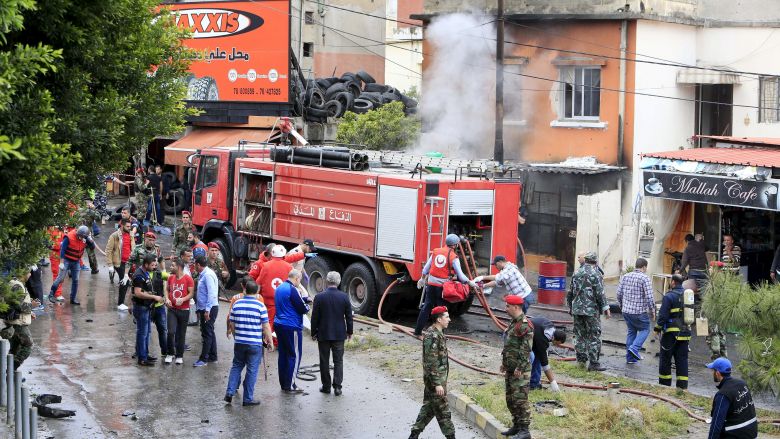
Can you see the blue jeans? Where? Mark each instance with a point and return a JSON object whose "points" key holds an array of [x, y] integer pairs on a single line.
{"points": [[159, 317], [157, 210], [638, 326], [249, 356], [143, 326], [74, 267], [536, 372]]}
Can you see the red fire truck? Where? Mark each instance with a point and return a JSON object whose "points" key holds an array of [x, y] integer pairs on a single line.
{"points": [[372, 225]]}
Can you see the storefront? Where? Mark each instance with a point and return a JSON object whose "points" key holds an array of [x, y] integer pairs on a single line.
{"points": [[725, 190]]}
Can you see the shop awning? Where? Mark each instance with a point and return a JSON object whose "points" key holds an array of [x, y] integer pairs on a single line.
{"points": [[759, 157], [701, 76], [177, 152]]}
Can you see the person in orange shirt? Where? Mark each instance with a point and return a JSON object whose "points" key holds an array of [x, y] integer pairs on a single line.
{"points": [[272, 274], [56, 234], [254, 269]]}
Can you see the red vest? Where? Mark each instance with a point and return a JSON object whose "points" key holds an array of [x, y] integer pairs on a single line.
{"points": [[273, 274], [76, 247], [441, 262]]}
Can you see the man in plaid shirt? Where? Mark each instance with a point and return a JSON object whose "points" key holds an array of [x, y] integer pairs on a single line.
{"points": [[635, 296], [508, 276]]}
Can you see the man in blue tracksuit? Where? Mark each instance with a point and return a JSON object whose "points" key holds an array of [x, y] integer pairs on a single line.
{"points": [[288, 325]]}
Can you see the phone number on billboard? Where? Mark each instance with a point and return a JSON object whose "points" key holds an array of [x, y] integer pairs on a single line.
{"points": [[257, 91]]}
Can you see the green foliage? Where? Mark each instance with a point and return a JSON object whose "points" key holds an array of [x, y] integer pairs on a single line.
{"points": [[9, 297], [83, 86], [386, 128], [753, 312]]}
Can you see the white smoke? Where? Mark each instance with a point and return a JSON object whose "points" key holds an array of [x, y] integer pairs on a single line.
{"points": [[458, 92]]}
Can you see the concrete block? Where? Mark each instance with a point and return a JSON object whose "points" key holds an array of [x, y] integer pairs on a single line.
{"points": [[481, 419], [385, 329]]}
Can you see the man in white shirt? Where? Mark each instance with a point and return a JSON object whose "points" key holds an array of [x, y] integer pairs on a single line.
{"points": [[508, 276]]}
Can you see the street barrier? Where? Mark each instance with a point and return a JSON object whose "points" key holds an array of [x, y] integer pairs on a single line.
{"points": [[16, 397]]}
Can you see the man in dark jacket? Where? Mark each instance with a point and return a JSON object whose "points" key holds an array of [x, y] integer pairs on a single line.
{"points": [[733, 412], [331, 324]]}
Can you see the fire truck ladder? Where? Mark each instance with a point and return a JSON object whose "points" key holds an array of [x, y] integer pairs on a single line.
{"points": [[431, 218], [406, 159]]}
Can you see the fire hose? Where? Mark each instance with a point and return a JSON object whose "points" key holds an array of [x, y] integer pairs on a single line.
{"points": [[408, 331]]}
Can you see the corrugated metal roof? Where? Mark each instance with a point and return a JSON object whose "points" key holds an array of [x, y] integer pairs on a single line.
{"points": [[569, 170], [759, 141], [690, 75], [766, 157]]}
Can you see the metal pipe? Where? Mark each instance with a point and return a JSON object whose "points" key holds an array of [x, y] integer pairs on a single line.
{"points": [[18, 405], [3, 371], [24, 409], [9, 387], [33, 423]]}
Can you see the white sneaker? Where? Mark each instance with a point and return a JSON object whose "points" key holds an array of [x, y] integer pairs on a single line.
{"points": [[60, 299], [122, 307], [168, 359], [180, 360]]}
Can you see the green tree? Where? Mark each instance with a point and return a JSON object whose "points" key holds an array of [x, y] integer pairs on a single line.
{"points": [[84, 85], [386, 128], [753, 312]]}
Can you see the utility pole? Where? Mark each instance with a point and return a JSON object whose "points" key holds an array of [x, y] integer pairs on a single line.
{"points": [[498, 149]]}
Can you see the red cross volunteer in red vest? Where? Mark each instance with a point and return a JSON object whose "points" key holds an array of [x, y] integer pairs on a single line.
{"points": [[272, 274], [71, 251], [442, 264]]}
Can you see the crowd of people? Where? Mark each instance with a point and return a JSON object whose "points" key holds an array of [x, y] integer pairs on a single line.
{"points": [[269, 312]]}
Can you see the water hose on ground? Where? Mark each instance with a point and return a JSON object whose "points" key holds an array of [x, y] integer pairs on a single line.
{"points": [[408, 331]]}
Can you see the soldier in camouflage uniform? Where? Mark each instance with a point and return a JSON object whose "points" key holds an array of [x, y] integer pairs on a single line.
{"points": [[141, 194], [149, 246], [180, 235], [436, 367], [88, 216], [17, 330], [586, 302], [516, 366]]}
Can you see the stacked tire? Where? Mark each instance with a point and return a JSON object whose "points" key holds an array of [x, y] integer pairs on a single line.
{"points": [[356, 92]]}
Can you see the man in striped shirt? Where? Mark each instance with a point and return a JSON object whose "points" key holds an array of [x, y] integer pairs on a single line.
{"points": [[635, 297], [248, 323]]}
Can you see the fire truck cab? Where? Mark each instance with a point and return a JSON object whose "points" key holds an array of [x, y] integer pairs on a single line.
{"points": [[371, 226]]}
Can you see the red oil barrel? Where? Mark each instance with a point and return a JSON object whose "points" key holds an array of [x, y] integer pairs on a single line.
{"points": [[552, 282]]}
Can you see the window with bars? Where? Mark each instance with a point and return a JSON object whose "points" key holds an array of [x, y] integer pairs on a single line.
{"points": [[580, 93], [769, 99]]}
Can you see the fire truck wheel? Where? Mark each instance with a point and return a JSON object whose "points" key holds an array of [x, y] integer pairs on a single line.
{"points": [[317, 268], [359, 284], [228, 258], [458, 309]]}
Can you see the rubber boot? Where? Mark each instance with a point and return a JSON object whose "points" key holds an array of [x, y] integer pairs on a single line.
{"points": [[596, 367], [524, 433], [512, 431], [450, 436], [414, 434]]}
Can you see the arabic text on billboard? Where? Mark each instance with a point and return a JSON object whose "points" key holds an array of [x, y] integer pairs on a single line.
{"points": [[243, 50]]}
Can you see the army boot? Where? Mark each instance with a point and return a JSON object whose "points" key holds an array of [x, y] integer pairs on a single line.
{"points": [[523, 433], [414, 434], [596, 367], [450, 436], [512, 431]]}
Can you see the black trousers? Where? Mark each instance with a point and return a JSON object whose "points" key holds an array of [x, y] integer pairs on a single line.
{"points": [[325, 348], [432, 300], [177, 331], [673, 347], [35, 285], [209, 350], [120, 272]]}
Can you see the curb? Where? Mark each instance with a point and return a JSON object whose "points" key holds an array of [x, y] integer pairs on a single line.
{"points": [[475, 414]]}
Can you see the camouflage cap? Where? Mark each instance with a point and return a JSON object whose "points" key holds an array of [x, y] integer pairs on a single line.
{"points": [[591, 257]]}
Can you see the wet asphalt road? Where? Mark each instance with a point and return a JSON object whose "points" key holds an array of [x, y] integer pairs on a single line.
{"points": [[84, 353]]}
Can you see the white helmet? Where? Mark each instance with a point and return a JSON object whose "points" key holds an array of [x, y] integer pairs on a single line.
{"points": [[278, 252]]}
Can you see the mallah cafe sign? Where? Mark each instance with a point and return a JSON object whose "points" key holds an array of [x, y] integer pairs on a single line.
{"points": [[726, 191]]}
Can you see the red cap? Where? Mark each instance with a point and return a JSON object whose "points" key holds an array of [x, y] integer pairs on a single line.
{"points": [[438, 310], [513, 300], [214, 245], [186, 212], [150, 235]]}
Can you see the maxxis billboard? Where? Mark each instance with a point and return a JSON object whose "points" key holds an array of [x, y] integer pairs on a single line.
{"points": [[243, 50]]}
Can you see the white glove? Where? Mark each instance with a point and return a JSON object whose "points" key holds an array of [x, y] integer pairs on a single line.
{"points": [[478, 279], [554, 386], [62, 265], [126, 279], [421, 283], [111, 270], [473, 284], [33, 267]]}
